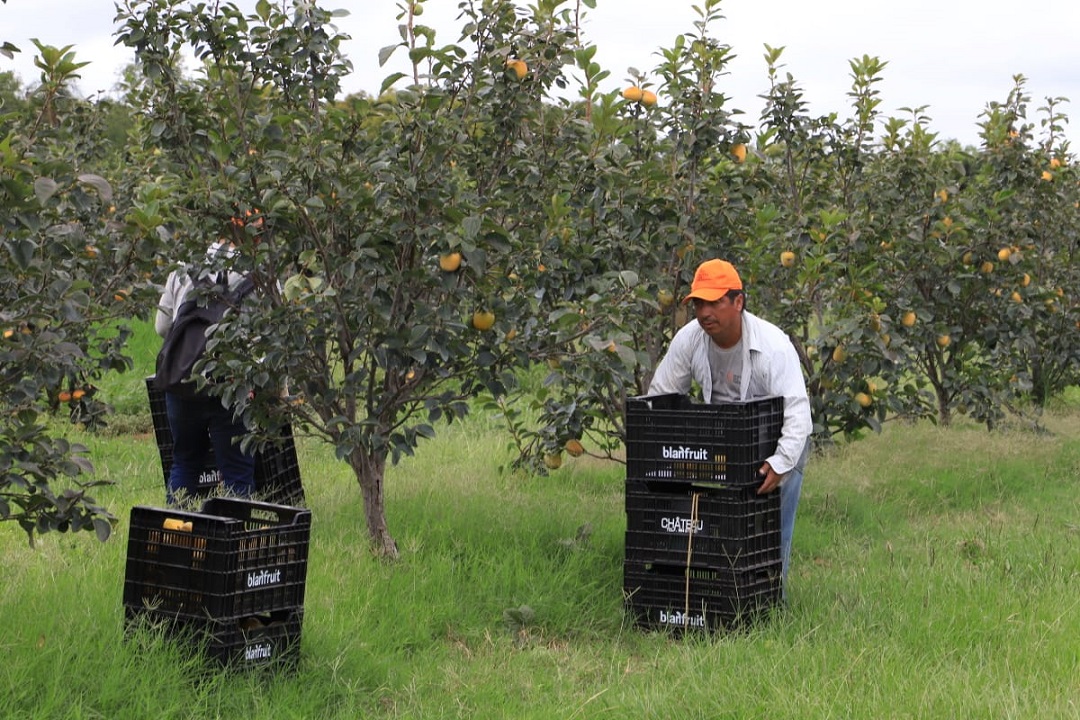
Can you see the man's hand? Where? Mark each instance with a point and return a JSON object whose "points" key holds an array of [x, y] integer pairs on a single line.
{"points": [[771, 480]]}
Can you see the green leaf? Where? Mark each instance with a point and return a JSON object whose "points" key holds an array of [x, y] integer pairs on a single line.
{"points": [[390, 80], [98, 183], [103, 529], [22, 252], [386, 52], [471, 226], [45, 188]]}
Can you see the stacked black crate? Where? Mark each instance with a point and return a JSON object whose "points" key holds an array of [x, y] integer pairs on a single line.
{"points": [[229, 578], [277, 469], [702, 547]]}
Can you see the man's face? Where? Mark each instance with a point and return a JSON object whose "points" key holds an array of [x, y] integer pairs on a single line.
{"points": [[721, 319]]}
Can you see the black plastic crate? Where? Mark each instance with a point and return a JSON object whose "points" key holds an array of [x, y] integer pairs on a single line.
{"points": [[728, 527], [679, 598], [277, 469], [268, 640], [233, 558], [670, 437]]}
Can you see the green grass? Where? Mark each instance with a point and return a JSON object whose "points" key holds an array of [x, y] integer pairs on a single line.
{"points": [[935, 574]]}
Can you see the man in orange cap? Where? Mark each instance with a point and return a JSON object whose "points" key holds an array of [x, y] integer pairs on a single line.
{"points": [[736, 356]]}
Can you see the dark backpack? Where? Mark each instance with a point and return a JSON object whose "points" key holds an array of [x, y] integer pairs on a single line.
{"points": [[185, 342]]}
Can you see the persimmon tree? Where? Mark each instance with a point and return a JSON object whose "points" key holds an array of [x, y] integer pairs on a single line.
{"points": [[396, 227], [75, 252]]}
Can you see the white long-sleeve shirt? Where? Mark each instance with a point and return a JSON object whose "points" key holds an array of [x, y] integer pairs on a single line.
{"points": [[179, 284], [774, 371]]}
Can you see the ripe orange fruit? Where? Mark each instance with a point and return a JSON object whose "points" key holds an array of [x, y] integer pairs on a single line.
{"points": [[78, 394], [839, 354], [987, 267], [483, 320], [1047, 175], [1026, 281], [909, 319], [518, 67], [648, 98], [1055, 163], [450, 262], [864, 400], [787, 259], [944, 341], [739, 151], [632, 93], [1004, 254], [574, 448], [63, 396], [1016, 297]]}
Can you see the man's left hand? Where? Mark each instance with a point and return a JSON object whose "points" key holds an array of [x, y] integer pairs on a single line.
{"points": [[771, 479]]}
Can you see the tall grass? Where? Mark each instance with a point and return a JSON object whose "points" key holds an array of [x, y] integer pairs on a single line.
{"points": [[935, 574]]}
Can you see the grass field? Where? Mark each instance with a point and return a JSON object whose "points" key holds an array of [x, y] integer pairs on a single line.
{"points": [[935, 574]]}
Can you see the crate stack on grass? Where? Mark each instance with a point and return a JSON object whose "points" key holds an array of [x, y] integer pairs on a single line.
{"points": [[702, 547], [277, 469], [229, 579]]}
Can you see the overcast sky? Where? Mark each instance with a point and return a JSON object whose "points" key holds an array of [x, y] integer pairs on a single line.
{"points": [[954, 56]]}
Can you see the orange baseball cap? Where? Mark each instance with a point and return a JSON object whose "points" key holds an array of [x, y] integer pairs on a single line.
{"points": [[713, 280]]}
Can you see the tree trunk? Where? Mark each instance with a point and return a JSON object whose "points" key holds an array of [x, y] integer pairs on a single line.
{"points": [[370, 471], [944, 409]]}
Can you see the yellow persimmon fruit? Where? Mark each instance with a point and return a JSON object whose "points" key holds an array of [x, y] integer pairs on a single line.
{"points": [[450, 262], [864, 400], [1025, 281], [1004, 254], [483, 320], [839, 354], [987, 267], [1016, 297], [787, 259], [909, 319], [632, 94], [518, 67], [1047, 175], [574, 448], [944, 341], [648, 98], [738, 150]]}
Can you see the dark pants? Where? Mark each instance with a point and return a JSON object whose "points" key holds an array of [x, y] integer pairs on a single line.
{"points": [[198, 424]]}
